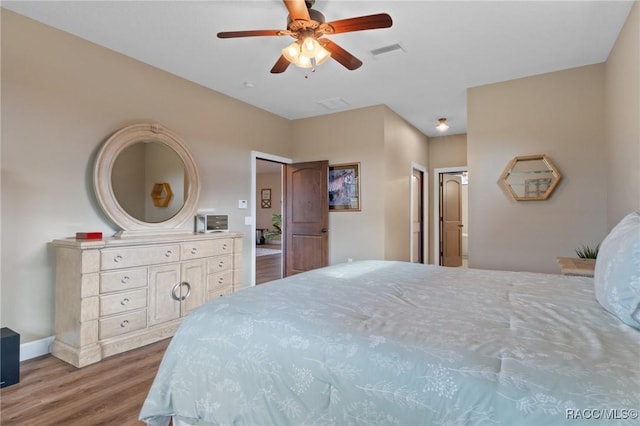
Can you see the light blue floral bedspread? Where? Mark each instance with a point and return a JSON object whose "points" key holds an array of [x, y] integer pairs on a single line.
{"points": [[394, 343]]}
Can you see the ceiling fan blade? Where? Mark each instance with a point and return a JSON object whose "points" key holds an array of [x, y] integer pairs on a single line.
{"points": [[345, 58], [249, 33], [280, 66], [369, 22], [297, 9]]}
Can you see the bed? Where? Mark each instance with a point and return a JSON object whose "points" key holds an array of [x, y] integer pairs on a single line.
{"points": [[395, 343]]}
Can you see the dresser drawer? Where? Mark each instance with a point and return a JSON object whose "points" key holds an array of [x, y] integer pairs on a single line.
{"points": [[116, 258], [123, 280], [225, 246], [219, 292], [219, 264], [198, 249], [220, 280], [123, 302], [122, 324]]}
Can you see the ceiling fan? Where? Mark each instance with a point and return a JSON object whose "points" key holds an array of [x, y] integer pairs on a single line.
{"points": [[308, 27]]}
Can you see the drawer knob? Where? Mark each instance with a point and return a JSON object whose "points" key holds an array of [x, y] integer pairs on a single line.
{"points": [[168, 253], [125, 301], [117, 259], [194, 250], [125, 279], [124, 323], [224, 246], [220, 280], [221, 264]]}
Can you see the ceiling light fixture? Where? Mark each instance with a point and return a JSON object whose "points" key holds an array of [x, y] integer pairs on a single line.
{"points": [[306, 53], [442, 125]]}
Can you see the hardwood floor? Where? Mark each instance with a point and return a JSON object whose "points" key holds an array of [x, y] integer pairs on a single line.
{"points": [[268, 267], [110, 392]]}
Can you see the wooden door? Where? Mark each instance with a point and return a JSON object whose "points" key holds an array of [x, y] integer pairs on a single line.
{"points": [[306, 217], [417, 225], [451, 220]]}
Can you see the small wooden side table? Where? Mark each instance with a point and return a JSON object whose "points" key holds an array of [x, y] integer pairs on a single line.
{"points": [[577, 266]]}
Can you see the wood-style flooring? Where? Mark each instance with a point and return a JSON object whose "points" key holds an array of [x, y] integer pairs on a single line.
{"points": [[269, 267], [110, 392]]}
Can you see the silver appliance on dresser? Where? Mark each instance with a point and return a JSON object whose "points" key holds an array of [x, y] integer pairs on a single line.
{"points": [[205, 223]]}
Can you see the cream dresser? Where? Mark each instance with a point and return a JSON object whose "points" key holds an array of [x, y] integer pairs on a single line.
{"points": [[117, 294]]}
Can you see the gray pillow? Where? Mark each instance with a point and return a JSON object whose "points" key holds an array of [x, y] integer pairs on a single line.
{"points": [[617, 273]]}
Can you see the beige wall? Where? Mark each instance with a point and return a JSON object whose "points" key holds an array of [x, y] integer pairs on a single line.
{"points": [[403, 145], [61, 98], [622, 121], [559, 114], [385, 145], [588, 121], [350, 137]]}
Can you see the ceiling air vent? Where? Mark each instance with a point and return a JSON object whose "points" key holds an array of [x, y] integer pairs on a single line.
{"points": [[387, 49], [334, 104]]}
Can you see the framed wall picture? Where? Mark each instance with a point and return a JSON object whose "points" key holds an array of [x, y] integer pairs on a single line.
{"points": [[344, 187], [265, 198]]}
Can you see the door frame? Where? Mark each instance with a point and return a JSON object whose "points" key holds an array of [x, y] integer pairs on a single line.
{"points": [[436, 207], [257, 155], [425, 212]]}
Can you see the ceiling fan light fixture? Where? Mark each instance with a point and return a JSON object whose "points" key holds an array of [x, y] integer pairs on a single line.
{"points": [[322, 56], [292, 52], [310, 47], [442, 125], [306, 53], [303, 62], [308, 26]]}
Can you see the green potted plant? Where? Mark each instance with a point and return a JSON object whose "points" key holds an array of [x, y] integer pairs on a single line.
{"points": [[276, 222], [586, 252]]}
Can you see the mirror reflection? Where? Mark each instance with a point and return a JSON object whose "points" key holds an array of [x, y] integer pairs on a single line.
{"points": [[530, 178], [136, 171]]}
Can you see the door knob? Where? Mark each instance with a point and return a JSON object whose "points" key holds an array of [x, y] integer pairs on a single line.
{"points": [[323, 230]]}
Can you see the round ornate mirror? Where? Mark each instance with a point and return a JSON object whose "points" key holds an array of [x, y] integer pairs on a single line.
{"points": [[146, 180]]}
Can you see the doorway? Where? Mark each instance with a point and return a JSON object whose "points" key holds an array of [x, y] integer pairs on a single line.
{"points": [[304, 242], [269, 247], [267, 250], [450, 213], [418, 209]]}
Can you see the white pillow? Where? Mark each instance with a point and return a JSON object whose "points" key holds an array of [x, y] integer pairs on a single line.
{"points": [[617, 273]]}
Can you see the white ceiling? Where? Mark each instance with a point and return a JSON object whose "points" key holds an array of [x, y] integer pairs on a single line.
{"points": [[449, 46]]}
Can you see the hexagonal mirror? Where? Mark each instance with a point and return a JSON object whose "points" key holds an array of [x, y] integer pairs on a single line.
{"points": [[530, 178]]}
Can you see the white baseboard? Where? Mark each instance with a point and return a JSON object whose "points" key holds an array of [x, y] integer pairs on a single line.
{"points": [[36, 348]]}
